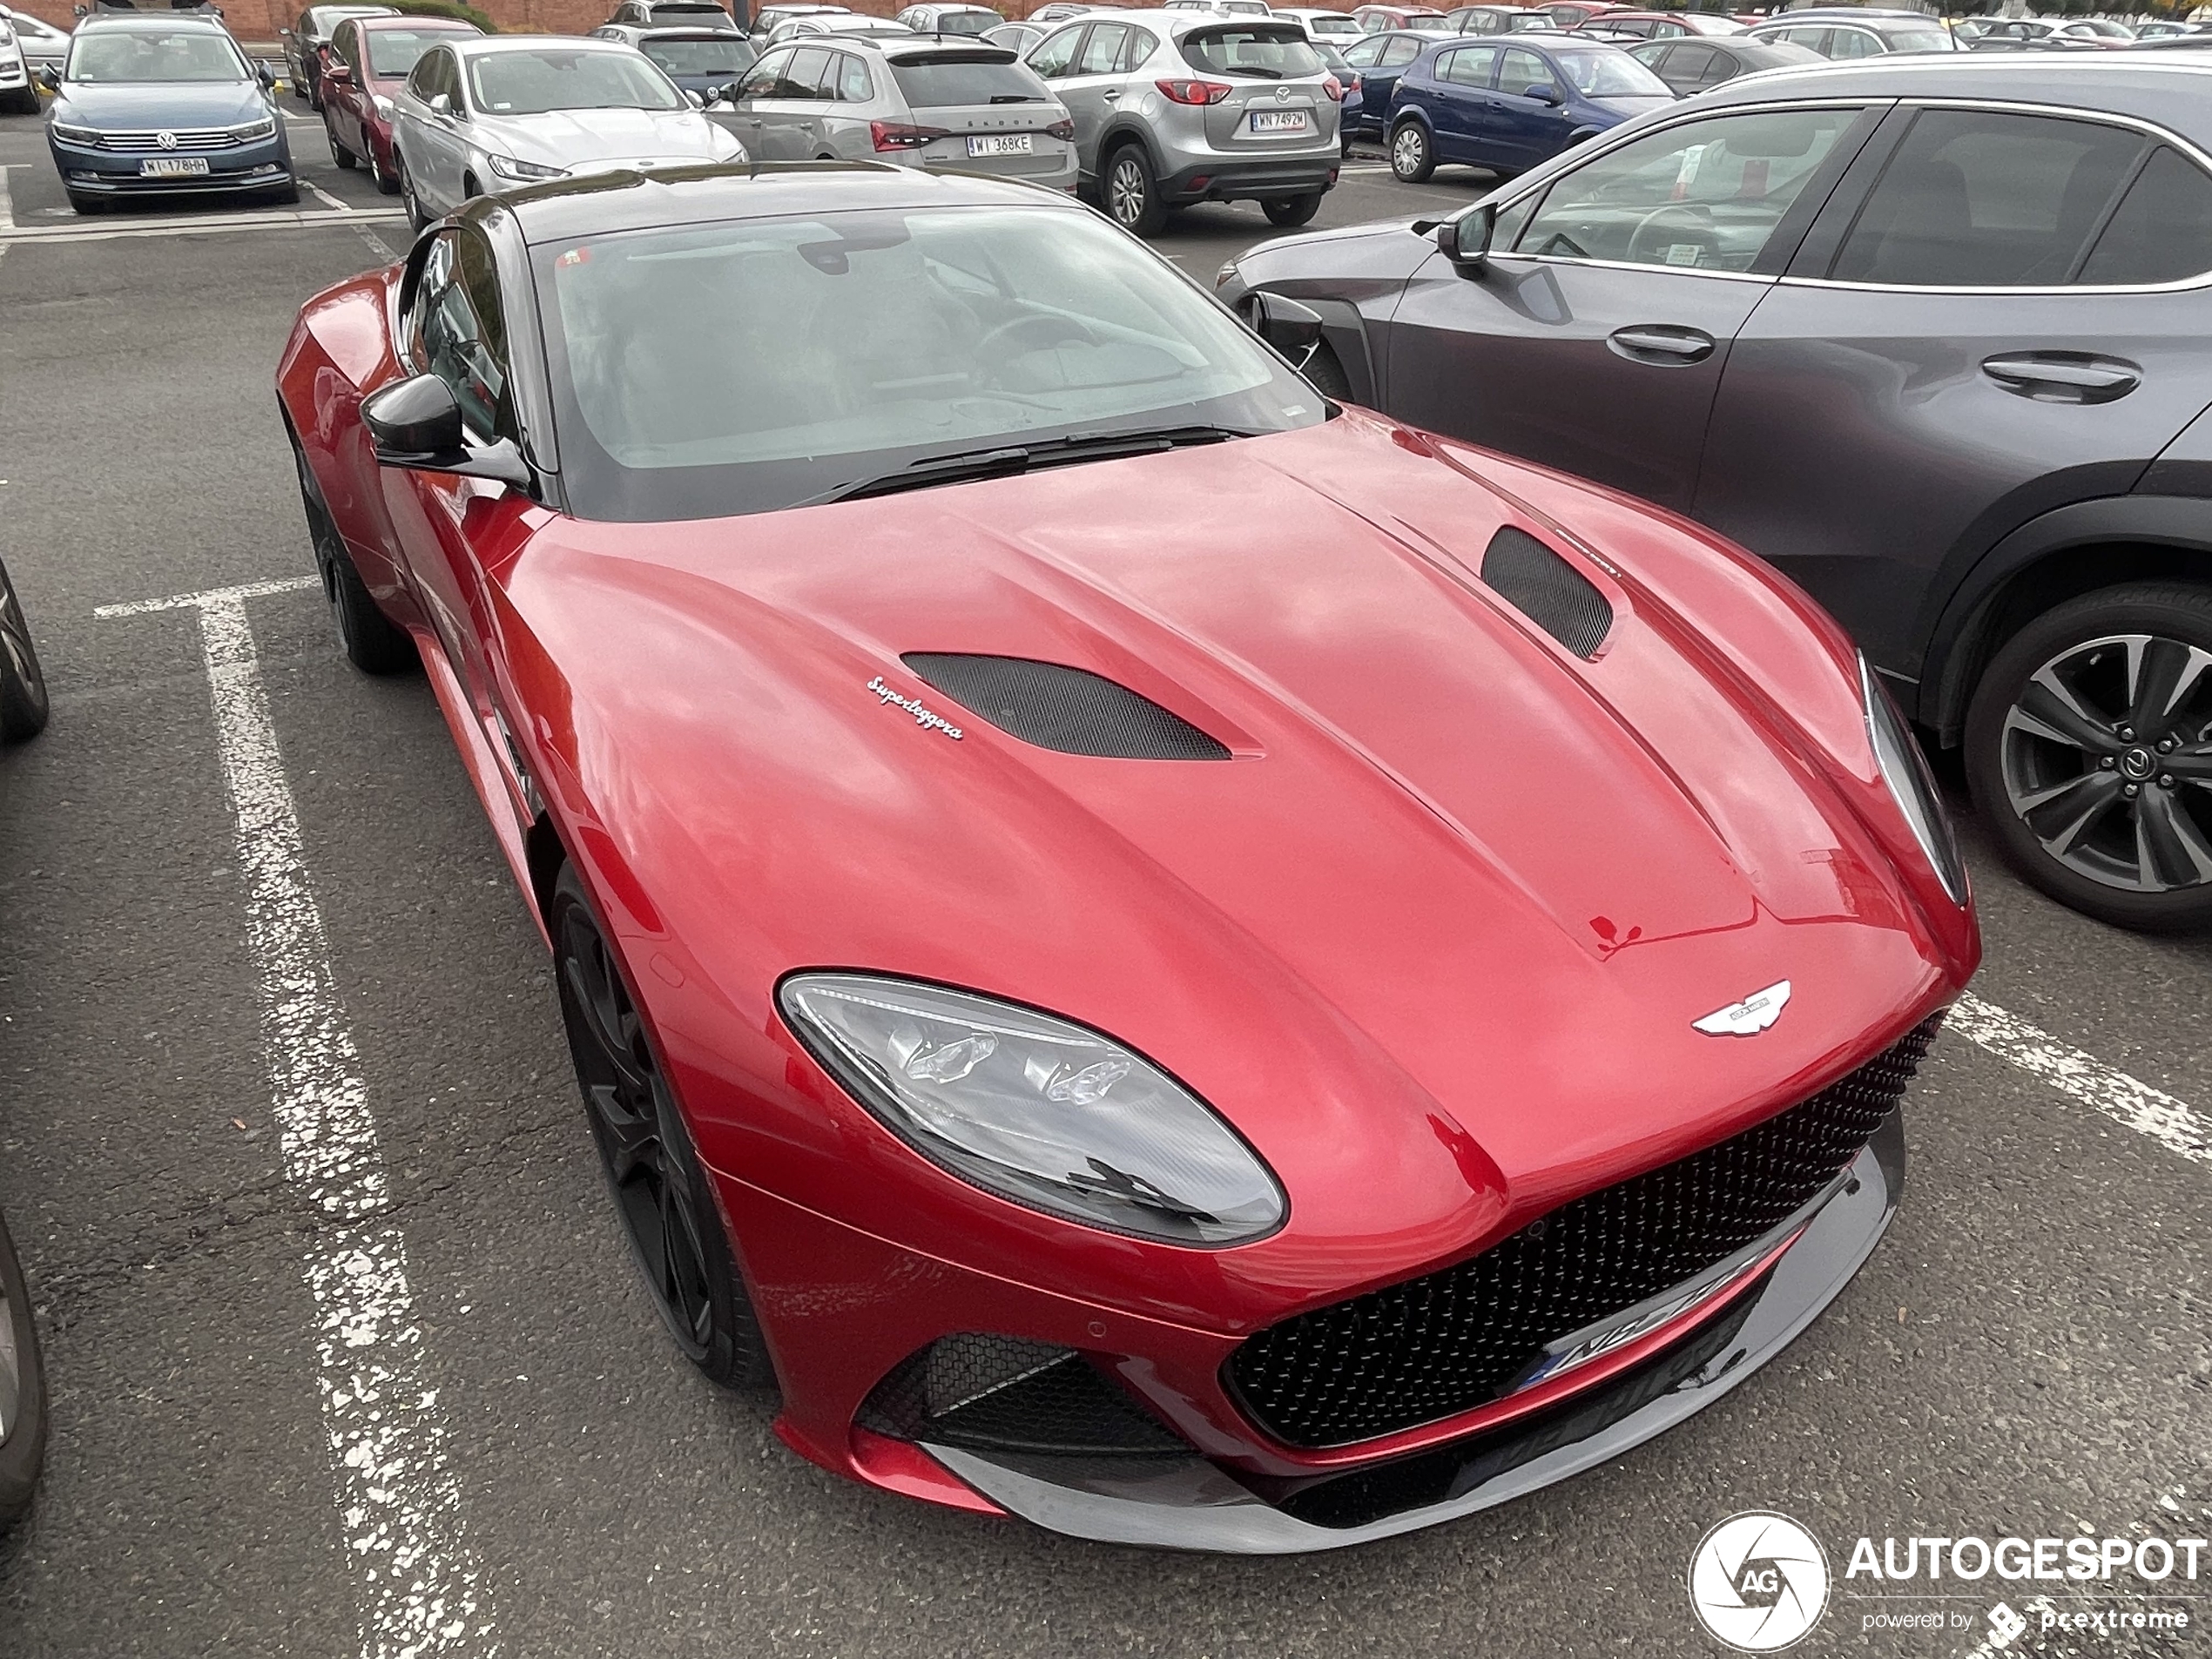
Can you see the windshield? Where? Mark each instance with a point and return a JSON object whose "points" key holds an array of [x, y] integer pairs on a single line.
{"points": [[963, 22], [195, 54], [1272, 52], [729, 54], [540, 78], [1335, 28], [322, 19], [1427, 22], [937, 84], [1920, 40], [393, 52], [1609, 74], [740, 367]]}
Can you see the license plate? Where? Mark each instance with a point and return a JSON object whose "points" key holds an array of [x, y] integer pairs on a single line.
{"points": [[173, 168], [1009, 144], [1278, 120]]}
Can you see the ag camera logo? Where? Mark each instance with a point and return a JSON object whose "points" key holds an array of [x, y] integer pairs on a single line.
{"points": [[1758, 1581]]}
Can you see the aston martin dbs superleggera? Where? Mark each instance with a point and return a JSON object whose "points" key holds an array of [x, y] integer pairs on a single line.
{"points": [[1155, 953]]}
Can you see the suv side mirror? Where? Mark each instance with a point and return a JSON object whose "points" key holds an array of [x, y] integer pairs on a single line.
{"points": [[415, 425], [1291, 328], [1465, 240]]}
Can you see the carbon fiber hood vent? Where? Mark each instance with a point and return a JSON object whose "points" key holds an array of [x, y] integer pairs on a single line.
{"points": [[1548, 591], [1066, 709]]}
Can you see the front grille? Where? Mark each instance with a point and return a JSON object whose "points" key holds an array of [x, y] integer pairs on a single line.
{"points": [[1457, 1338], [187, 138], [992, 1393]]}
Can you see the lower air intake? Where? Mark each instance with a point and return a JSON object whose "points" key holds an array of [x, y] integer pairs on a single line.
{"points": [[987, 1393], [1547, 590], [1066, 709], [1452, 1340]]}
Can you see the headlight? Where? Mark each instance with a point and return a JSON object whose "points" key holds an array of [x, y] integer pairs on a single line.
{"points": [[87, 136], [7, 35], [383, 104], [1904, 769], [508, 167], [265, 128], [1036, 1109], [1228, 269]]}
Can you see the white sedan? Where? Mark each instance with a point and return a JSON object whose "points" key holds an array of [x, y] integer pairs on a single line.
{"points": [[482, 115]]}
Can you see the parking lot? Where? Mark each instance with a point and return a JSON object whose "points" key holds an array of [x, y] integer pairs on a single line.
{"points": [[2030, 1352]]}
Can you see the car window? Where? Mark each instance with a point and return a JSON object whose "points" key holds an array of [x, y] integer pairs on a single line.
{"points": [[394, 52], [928, 82], [1852, 43], [1654, 56], [1521, 69], [155, 55], [1397, 51], [1102, 49], [805, 79], [1686, 60], [345, 45], [1640, 27], [1606, 72], [1365, 54], [536, 79], [1270, 51], [1140, 46], [1056, 54], [457, 332], [1980, 199], [1920, 40], [763, 79], [701, 55], [2162, 231], [855, 85], [1703, 195], [1469, 66]]}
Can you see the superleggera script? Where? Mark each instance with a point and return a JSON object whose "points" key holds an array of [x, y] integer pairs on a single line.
{"points": [[914, 705]]}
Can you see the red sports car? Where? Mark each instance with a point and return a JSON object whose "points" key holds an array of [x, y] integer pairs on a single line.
{"points": [[1155, 953], [368, 61]]}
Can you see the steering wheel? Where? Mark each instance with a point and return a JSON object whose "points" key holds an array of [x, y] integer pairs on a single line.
{"points": [[1698, 230]]}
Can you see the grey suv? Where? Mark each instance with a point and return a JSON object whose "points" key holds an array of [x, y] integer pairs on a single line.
{"points": [[1853, 31], [1930, 335], [1176, 107]]}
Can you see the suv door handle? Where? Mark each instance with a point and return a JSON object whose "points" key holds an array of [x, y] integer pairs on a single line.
{"points": [[1111, 94], [1661, 343], [2064, 377]]}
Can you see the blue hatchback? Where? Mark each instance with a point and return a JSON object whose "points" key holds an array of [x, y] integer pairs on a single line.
{"points": [[156, 104], [1507, 106]]}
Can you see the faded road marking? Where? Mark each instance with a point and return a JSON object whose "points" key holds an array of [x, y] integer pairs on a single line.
{"points": [[2173, 1124], [420, 1588]]}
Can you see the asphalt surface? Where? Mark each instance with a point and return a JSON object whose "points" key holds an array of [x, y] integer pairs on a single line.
{"points": [[2029, 1352]]}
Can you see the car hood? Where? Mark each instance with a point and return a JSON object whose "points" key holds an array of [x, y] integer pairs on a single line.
{"points": [[596, 140], [168, 104], [1628, 106], [1434, 936]]}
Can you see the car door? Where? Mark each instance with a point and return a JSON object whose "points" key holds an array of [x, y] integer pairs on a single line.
{"points": [[743, 118], [1527, 125], [425, 140], [1092, 85], [339, 111], [790, 112], [847, 128], [1378, 85], [1957, 349], [1594, 337], [1457, 97]]}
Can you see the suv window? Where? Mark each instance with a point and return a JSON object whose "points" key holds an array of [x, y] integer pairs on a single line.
{"points": [[1141, 46], [1704, 195], [2162, 231], [1975, 198], [765, 77], [458, 332], [1272, 51], [1103, 50], [1056, 54], [931, 82], [808, 76]]}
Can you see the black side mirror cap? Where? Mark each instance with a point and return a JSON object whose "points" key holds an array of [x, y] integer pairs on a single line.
{"points": [[50, 80], [1291, 328], [264, 74], [1465, 240], [415, 425]]}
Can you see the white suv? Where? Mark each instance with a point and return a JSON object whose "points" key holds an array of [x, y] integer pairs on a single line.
{"points": [[1176, 107]]}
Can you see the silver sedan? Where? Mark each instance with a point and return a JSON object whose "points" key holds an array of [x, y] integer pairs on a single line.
{"points": [[480, 115]]}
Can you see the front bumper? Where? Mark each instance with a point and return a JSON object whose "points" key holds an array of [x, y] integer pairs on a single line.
{"points": [[1267, 180], [263, 165], [850, 1307]]}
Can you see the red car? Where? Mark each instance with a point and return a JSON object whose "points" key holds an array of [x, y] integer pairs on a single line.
{"points": [[1158, 954], [369, 60]]}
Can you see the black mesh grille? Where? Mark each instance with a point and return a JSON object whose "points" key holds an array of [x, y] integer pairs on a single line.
{"points": [[1454, 1339], [1548, 591], [1066, 709], [987, 1393]]}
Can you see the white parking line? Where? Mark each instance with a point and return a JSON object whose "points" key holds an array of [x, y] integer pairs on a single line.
{"points": [[2173, 1124], [200, 225], [420, 1587], [7, 204], [323, 195]]}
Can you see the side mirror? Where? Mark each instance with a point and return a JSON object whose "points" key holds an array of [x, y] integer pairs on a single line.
{"points": [[79, 10], [50, 80], [339, 75], [1291, 328], [1542, 91], [695, 100], [441, 103], [1465, 240], [264, 74], [414, 424]]}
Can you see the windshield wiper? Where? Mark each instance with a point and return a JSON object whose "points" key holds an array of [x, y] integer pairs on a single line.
{"points": [[1015, 97], [1004, 460]]}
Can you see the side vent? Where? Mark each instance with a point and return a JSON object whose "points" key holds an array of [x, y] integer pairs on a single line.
{"points": [[1066, 709], [1548, 591]]}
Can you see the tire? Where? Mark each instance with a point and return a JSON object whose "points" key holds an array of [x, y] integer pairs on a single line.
{"points": [[346, 158], [667, 1208], [387, 183], [22, 683], [2054, 782], [1290, 211], [300, 88], [24, 1447], [372, 642], [1413, 158], [1130, 191], [1326, 372], [469, 188], [409, 201], [25, 101]]}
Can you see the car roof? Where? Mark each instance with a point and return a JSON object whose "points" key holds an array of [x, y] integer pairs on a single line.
{"points": [[413, 21], [109, 21], [478, 45], [602, 204], [674, 32], [2165, 88], [893, 49]]}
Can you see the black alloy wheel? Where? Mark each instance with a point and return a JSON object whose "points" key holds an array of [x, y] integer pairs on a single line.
{"points": [[410, 202], [387, 183], [22, 1391], [1132, 193], [1290, 211], [666, 1207], [2089, 750], [345, 159], [374, 644], [22, 683]]}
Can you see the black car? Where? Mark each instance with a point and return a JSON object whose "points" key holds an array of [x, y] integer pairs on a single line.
{"points": [[1930, 337], [683, 14], [306, 46], [23, 1383], [1691, 64]]}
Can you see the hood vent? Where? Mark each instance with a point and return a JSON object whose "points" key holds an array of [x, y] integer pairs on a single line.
{"points": [[1548, 591], [1066, 709]]}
